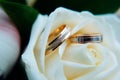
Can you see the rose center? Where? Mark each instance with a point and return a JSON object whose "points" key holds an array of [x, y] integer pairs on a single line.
{"points": [[95, 54]]}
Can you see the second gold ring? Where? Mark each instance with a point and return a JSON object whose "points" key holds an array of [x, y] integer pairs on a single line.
{"points": [[87, 38]]}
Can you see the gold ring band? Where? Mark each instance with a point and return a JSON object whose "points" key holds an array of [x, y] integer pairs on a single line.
{"points": [[63, 35], [87, 38]]}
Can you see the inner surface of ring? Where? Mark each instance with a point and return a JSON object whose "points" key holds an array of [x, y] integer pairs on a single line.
{"points": [[57, 38], [56, 33]]}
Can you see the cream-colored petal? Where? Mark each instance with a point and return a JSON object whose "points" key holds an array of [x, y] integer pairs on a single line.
{"points": [[117, 76], [29, 57], [80, 26], [109, 63], [73, 70], [54, 68], [79, 54], [62, 48], [31, 66], [114, 21], [38, 47], [65, 16]]}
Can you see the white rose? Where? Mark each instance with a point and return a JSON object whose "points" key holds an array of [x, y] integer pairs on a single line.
{"points": [[92, 61], [9, 44]]}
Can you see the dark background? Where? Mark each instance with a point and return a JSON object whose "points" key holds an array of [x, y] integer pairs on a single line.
{"points": [[47, 6], [95, 6]]}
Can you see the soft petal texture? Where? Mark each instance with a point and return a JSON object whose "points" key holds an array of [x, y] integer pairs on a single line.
{"points": [[31, 64], [9, 44], [114, 21], [70, 61]]}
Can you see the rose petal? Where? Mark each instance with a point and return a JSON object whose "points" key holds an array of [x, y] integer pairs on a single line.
{"points": [[31, 55]]}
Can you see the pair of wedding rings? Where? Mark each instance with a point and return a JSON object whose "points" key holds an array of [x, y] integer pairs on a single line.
{"points": [[63, 33]]}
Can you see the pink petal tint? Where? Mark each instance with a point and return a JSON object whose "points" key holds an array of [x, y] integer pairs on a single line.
{"points": [[9, 44]]}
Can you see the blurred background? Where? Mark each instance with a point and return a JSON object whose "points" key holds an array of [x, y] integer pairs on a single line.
{"points": [[94, 6], [47, 6]]}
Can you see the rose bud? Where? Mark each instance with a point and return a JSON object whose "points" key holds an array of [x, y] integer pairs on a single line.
{"points": [[9, 44]]}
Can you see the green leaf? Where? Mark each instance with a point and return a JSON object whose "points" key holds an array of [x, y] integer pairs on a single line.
{"points": [[23, 16]]}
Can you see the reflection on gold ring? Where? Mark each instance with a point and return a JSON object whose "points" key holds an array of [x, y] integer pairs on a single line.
{"points": [[63, 33]]}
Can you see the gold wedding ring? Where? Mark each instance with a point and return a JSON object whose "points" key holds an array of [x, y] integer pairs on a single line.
{"points": [[60, 35], [57, 37], [87, 38]]}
